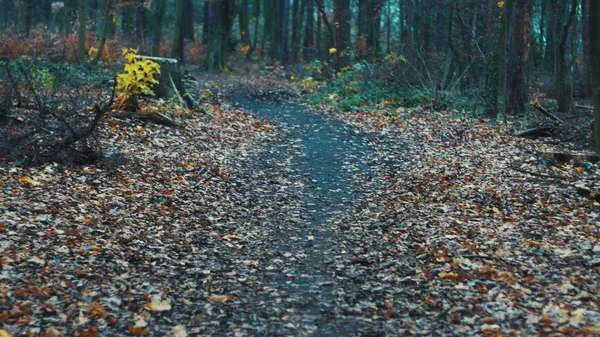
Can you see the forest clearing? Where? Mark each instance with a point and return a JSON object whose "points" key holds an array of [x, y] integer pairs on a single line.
{"points": [[299, 168]]}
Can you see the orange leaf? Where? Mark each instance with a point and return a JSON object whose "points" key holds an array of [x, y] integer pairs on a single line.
{"points": [[96, 310], [452, 276], [137, 331]]}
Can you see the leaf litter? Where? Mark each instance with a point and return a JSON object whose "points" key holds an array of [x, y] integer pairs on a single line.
{"points": [[223, 227]]}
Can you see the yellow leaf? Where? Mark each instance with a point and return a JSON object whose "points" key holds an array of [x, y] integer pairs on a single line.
{"points": [[220, 298], [30, 181], [158, 305], [500, 4], [245, 49], [332, 51], [4, 333]]}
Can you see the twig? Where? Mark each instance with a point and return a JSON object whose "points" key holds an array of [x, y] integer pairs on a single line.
{"points": [[551, 176]]}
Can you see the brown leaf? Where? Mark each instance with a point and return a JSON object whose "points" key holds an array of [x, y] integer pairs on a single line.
{"points": [[96, 310], [156, 304], [221, 298], [137, 331]]}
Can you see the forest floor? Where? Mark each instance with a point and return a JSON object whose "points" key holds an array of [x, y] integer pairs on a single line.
{"points": [[272, 218]]}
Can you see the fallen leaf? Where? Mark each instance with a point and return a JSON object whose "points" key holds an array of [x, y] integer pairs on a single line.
{"points": [[137, 331], [159, 305], [220, 298], [96, 310], [177, 331]]}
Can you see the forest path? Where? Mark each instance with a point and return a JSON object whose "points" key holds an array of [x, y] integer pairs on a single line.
{"points": [[316, 173]]}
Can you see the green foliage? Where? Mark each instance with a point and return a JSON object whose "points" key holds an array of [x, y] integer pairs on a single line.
{"points": [[308, 83], [138, 76], [366, 86], [316, 67], [42, 79]]}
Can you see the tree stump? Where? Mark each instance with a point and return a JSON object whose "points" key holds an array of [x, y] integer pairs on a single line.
{"points": [[170, 82]]}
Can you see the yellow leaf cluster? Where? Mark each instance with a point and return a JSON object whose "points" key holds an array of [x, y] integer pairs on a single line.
{"points": [[138, 76], [500, 4]]}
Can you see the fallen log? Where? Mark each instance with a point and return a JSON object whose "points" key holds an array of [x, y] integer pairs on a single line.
{"points": [[541, 109], [542, 131], [154, 116]]}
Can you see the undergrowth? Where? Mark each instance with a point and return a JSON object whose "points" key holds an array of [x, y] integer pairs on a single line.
{"points": [[378, 86]]}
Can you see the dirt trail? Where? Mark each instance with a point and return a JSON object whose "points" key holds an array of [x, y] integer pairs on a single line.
{"points": [[317, 172]]}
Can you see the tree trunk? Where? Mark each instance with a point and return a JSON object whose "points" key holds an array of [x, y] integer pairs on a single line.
{"points": [[309, 31], [108, 22], [256, 25], [187, 21], [587, 80], [341, 24], [563, 74], [243, 19], [177, 44], [159, 14], [296, 28], [517, 95], [205, 21], [219, 41], [283, 31], [140, 22], [551, 18], [82, 30], [594, 35]]}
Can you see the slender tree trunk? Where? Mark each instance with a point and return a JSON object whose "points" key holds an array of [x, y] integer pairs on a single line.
{"points": [[256, 25], [29, 11], [563, 75], [594, 35], [187, 21], [503, 48], [296, 28], [318, 39], [309, 31], [140, 22], [552, 21], [107, 23], [177, 44], [82, 30], [341, 23], [517, 95], [586, 50], [159, 14], [205, 21], [243, 19], [283, 31]]}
